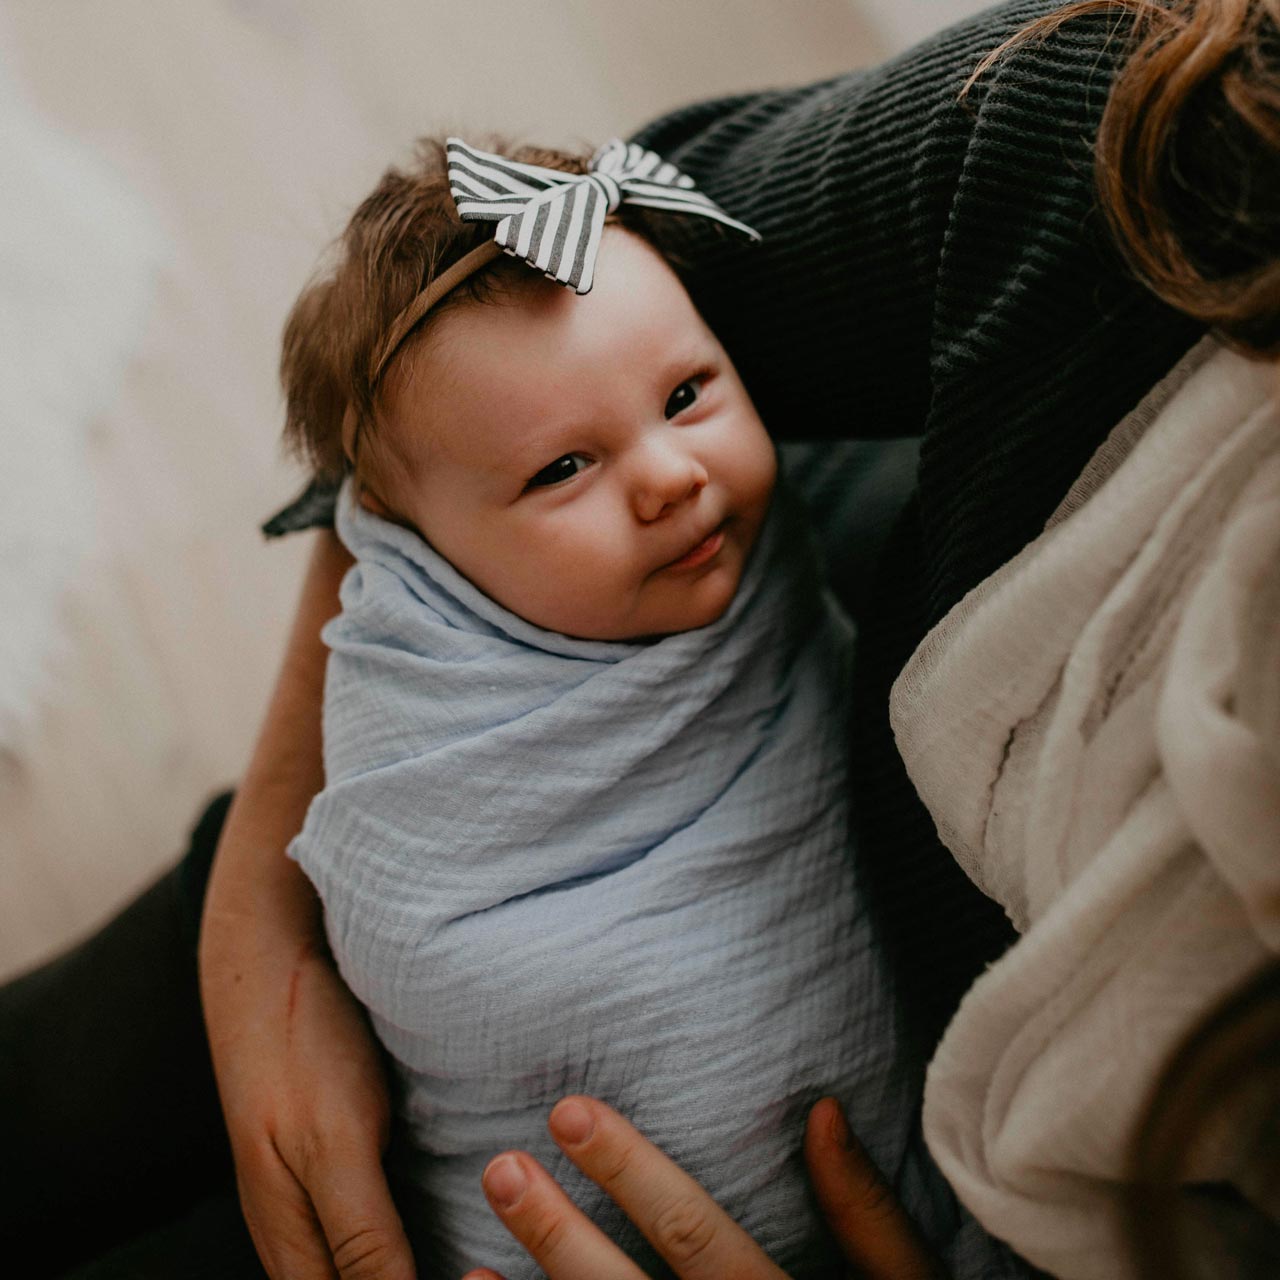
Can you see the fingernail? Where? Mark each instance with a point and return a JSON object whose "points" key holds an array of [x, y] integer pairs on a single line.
{"points": [[504, 1181], [839, 1127], [571, 1122]]}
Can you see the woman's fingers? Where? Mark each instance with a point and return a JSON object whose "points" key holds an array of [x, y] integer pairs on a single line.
{"points": [[319, 1207], [349, 1192], [677, 1216], [695, 1236], [875, 1234], [331, 1129], [561, 1238], [278, 1213], [691, 1232]]}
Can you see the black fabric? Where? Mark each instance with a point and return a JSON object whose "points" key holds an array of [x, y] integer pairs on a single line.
{"points": [[311, 509], [931, 268], [109, 1120], [209, 1241]]}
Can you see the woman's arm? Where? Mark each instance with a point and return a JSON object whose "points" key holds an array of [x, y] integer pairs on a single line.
{"points": [[303, 1088]]}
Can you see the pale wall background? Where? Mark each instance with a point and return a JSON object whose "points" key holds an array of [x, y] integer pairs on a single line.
{"points": [[171, 173]]}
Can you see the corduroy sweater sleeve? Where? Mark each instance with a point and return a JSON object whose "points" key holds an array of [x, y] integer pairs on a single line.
{"points": [[876, 252], [828, 317]]}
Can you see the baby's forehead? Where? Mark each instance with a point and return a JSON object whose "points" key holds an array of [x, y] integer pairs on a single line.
{"points": [[535, 357]]}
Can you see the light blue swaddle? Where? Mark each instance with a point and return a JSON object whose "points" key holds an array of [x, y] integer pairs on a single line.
{"points": [[552, 865]]}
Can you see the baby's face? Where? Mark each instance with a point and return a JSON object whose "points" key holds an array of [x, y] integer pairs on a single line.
{"points": [[593, 463]]}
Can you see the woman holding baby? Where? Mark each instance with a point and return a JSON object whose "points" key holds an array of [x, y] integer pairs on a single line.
{"points": [[1001, 243]]}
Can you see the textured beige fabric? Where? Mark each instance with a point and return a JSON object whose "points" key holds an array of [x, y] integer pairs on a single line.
{"points": [[1096, 731]]}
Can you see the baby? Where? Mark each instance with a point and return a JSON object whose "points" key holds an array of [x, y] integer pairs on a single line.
{"points": [[584, 827]]}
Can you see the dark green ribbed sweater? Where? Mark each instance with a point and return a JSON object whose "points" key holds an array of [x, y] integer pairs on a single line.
{"points": [[935, 269]]}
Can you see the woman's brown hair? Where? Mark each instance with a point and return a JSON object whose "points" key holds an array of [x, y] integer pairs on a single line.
{"points": [[1222, 1086], [1188, 154]]}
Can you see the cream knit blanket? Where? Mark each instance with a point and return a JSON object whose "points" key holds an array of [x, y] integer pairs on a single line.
{"points": [[1096, 731]]}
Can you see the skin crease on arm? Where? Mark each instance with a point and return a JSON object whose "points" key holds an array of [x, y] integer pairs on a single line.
{"points": [[302, 1086]]}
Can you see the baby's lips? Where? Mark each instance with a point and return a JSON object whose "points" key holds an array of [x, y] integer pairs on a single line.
{"points": [[700, 552]]}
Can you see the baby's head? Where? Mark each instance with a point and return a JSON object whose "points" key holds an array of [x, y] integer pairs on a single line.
{"points": [[593, 463]]}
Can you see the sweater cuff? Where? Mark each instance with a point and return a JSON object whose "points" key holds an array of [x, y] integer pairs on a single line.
{"points": [[312, 509]]}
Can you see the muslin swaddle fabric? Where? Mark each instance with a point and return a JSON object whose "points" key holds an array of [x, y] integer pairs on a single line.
{"points": [[552, 865]]}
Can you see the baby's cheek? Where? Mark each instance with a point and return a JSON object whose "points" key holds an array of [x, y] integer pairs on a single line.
{"points": [[535, 567], [722, 585], [764, 468], [575, 595], [700, 603]]}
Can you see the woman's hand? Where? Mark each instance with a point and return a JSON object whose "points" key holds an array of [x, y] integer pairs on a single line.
{"points": [[303, 1089], [305, 1101], [695, 1236]]}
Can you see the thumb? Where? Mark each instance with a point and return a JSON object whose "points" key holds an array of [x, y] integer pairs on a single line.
{"points": [[359, 1219], [873, 1231]]}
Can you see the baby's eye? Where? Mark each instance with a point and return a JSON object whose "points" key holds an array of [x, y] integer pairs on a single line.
{"points": [[683, 396], [560, 469]]}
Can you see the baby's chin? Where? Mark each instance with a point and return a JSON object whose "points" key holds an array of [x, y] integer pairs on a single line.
{"points": [[689, 607]]}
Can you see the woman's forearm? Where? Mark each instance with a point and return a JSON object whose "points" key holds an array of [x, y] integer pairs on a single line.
{"points": [[251, 880], [303, 1091], [259, 904]]}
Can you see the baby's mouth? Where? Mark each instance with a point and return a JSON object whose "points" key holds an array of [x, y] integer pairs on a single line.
{"points": [[701, 552]]}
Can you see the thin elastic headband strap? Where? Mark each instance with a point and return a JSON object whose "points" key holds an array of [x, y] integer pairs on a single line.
{"points": [[410, 318], [448, 280]]}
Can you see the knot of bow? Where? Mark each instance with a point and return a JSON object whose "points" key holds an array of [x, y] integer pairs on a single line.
{"points": [[554, 220]]}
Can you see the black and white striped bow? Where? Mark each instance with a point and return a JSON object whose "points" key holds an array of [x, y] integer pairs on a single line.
{"points": [[554, 220]]}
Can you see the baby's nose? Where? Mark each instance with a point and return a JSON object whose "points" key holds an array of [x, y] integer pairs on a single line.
{"points": [[666, 478]]}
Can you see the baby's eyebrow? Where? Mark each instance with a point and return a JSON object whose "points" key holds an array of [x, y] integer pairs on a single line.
{"points": [[503, 467], [538, 447], [513, 464], [688, 358]]}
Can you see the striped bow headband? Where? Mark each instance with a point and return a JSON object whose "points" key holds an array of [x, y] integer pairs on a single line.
{"points": [[552, 219]]}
